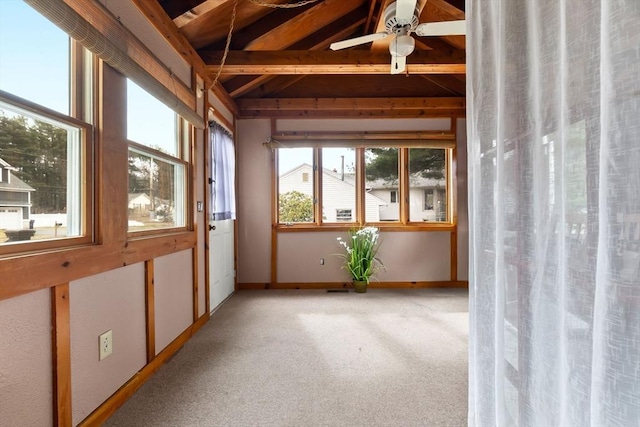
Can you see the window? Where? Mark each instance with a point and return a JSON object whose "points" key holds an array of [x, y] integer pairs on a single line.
{"points": [[295, 195], [344, 215], [382, 183], [427, 185], [400, 186], [158, 149], [338, 184], [45, 135]]}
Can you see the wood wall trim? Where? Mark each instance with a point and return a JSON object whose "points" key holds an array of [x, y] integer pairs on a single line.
{"points": [[105, 23], [194, 278], [453, 200], [61, 354], [274, 210], [108, 407], [150, 316], [32, 272], [384, 227], [346, 285]]}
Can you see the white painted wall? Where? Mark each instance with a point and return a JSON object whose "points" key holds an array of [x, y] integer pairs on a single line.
{"points": [[25, 360], [113, 300]]}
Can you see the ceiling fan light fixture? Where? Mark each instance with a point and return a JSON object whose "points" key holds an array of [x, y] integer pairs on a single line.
{"points": [[402, 45]]}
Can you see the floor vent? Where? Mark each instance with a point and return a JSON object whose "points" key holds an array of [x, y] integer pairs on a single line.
{"points": [[344, 291]]}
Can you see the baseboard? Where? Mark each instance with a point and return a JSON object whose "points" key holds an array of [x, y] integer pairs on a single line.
{"points": [[117, 399], [346, 285]]}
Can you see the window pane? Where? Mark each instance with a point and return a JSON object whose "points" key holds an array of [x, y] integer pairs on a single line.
{"points": [[40, 177], [150, 122], [427, 185], [338, 184], [34, 57], [156, 192], [381, 170], [295, 185]]}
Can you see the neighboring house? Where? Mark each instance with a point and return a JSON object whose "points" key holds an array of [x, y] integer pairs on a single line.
{"points": [[427, 198], [139, 201], [15, 199], [339, 193]]}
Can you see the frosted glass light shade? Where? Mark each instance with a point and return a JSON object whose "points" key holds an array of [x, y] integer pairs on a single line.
{"points": [[402, 45]]}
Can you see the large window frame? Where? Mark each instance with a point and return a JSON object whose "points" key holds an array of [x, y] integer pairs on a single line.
{"points": [[184, 190], [403, 223], [83, 68]]}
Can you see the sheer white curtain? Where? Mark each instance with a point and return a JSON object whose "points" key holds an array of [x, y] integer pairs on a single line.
{"points": [[554, 203], [223, 170]]}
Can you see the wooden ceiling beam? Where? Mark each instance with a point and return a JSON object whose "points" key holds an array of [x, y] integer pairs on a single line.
{"points": [[162, 22], [275, 85], [305, 24], [446, 82], [348, 104], [448, 9], [266, 24], [336, 31], [398, 113], [372, 8], [175, 8], [328, 62], [214, 25], [244, 84], [189, 14], [440, 10], [339, 29]]}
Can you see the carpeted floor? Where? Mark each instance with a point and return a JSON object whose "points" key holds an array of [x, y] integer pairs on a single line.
{"points": [[313, 358]]}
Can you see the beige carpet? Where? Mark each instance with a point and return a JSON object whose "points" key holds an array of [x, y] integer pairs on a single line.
{"points": [[313, 358]]}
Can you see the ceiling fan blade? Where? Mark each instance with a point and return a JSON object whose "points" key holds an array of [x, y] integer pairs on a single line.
{"points": [[445, 28], [357, 41], [405, 10], [398, 64]]}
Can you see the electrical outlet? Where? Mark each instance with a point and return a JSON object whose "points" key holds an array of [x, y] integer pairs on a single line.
{"points": [[106, 344], [321, 261]]}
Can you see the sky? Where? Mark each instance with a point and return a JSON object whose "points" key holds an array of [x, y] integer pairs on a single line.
{"points": [[34, 57], [34, 65]]}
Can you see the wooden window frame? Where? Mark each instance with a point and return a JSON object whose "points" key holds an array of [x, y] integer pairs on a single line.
{"points": [[403, 223], [187, 188], [82, 113]]}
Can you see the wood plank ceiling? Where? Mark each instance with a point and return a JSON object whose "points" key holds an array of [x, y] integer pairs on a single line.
{"points": [[281, 57]]}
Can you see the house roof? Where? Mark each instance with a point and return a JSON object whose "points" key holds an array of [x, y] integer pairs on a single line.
{"points": [[15, 183], [279, 62]]}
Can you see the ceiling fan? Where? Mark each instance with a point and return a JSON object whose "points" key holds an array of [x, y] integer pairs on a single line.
{"points": [[401, 19]]}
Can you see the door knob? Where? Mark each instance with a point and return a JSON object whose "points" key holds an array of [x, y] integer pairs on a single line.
{"points": [[212, 227]]}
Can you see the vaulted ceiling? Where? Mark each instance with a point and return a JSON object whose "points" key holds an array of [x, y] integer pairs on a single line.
{"points": [[279, 58]]}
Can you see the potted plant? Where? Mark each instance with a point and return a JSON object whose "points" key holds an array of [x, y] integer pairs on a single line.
{"points": [[360, 255]]}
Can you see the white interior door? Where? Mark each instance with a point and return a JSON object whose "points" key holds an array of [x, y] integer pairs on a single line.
{"points": [[221, 266]]}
